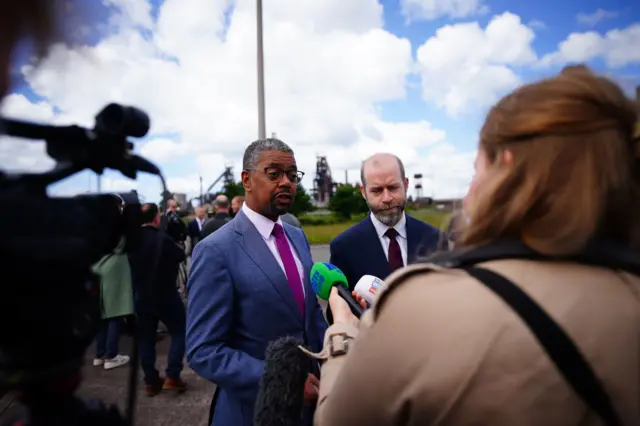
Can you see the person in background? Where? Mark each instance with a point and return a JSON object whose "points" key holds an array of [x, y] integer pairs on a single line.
{"points": [[236, 204], [221, 217], [291, 220], [116, 302], [154, 268], [387, 239], [556, 177], [195, 227], [173, 224]]}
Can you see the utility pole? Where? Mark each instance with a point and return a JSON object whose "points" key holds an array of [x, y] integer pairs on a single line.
{"points": [[201, 193], [262, 129]]}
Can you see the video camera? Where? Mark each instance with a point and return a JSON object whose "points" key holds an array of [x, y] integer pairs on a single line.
{"points": [[49, 309]]}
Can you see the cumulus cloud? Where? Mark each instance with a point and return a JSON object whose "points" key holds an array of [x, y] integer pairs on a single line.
{"points": [[427, 10], [329, 65], [464, 65], [618, 48]]}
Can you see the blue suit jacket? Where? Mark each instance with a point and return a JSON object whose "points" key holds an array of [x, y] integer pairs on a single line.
{"points": [[239, 301], [357, 251]]}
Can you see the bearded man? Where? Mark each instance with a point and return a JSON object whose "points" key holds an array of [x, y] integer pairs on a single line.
{"points": [[387, 239]]}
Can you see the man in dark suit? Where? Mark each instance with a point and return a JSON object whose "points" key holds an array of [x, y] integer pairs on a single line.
{"points": [[172, 224], [154, 268], [195, 226], [249, 285], [221, 217], [388, 238]]}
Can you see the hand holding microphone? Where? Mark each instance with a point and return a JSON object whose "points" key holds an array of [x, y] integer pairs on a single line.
{"points": [[324, 278], [367, 287]]}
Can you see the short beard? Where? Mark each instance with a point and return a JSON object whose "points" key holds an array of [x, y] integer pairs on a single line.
{"points": [[387, 216]]}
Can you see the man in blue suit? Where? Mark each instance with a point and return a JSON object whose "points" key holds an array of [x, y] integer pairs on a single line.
{"points": [[388, 238], [249, 285]]}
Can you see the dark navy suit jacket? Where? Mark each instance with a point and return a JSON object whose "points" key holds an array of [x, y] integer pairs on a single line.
{"points": [[239, 301], [358, 251]]}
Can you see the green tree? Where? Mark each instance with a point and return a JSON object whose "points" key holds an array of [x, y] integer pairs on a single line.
{"points": [[233, 189], [302, 203], [346, 201]]}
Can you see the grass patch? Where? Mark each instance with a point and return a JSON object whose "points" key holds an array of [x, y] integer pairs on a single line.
{"points": [[323, 234]]}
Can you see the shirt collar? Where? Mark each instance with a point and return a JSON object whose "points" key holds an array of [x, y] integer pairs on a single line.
{"points": [[263, 225], [381, 228]]}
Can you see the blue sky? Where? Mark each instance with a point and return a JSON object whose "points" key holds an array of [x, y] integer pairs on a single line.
{"points": [[341, 79]]}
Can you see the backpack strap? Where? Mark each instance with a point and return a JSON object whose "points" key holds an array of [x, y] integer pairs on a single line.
{"points": [[558, 345]]}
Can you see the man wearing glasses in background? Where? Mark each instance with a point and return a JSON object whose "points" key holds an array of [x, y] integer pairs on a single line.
{"points": [[249, 285]]}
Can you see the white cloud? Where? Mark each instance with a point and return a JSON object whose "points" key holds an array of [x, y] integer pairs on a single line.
{"points": [[592, 19], [427, 10], [618, 48], [537, 24], [20, 155], [163, 149], [463, 65], [328, 66]]}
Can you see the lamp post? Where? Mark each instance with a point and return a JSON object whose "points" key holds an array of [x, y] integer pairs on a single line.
{"points": [[262, 131]]}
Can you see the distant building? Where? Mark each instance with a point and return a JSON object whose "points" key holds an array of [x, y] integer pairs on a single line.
{"points": [[181, 199]]}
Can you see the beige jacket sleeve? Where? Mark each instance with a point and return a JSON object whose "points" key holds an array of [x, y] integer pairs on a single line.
{"points": [[369, 385]]}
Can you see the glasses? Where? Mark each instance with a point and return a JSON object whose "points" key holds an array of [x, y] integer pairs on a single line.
{"points": [[274, 174]]}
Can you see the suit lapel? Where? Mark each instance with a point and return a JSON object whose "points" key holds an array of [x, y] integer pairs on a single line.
{"points": [[257, 249]]}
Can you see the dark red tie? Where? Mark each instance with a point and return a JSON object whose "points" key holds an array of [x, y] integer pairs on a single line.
{"points": [[395, 255]]}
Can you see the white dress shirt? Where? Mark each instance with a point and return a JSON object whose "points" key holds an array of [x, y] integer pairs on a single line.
{"points": [[400, 227], [265, 229], [200, 223]]}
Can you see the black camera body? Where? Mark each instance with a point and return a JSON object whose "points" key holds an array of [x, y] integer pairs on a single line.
{"points": [[175, 227], [49, 310]]}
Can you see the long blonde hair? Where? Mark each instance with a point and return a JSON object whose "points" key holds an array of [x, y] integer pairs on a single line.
{"points": [[575, 174]]}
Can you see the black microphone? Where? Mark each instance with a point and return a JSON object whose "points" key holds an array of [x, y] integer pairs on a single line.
{"points": [[281, 393]]}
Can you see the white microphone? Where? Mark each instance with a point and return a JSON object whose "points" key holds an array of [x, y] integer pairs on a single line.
{"points": [[368, 286]]}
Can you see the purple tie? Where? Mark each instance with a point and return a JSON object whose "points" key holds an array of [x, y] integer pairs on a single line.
{"points": [[290, 267]]}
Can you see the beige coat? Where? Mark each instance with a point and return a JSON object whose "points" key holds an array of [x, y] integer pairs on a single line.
{"points": [[444, 350]]}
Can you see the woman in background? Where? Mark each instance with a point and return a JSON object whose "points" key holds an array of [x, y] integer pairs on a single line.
{"points": [[116, 302], [557, 174]]}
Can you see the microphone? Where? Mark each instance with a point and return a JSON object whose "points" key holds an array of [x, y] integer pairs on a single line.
{"points": [[281, 391], [367, 287], [324, 276]]}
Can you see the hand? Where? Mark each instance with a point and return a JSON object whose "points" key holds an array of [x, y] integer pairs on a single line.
{"points": [[361, 300], [311, 388], [340, 309]]}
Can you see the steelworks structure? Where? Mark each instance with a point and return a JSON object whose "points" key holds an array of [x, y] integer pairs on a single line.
{"points": [[323, 184]]}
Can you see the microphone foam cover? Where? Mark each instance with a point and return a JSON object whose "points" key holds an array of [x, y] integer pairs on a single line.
{"points": [[281, 391]]}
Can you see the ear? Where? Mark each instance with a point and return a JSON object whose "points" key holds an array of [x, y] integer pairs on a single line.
{"points": [[246, 182], [406, 184], [363, 192]]}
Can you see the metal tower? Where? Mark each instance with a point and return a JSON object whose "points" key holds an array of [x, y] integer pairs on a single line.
{"points": [[418, 185]]}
